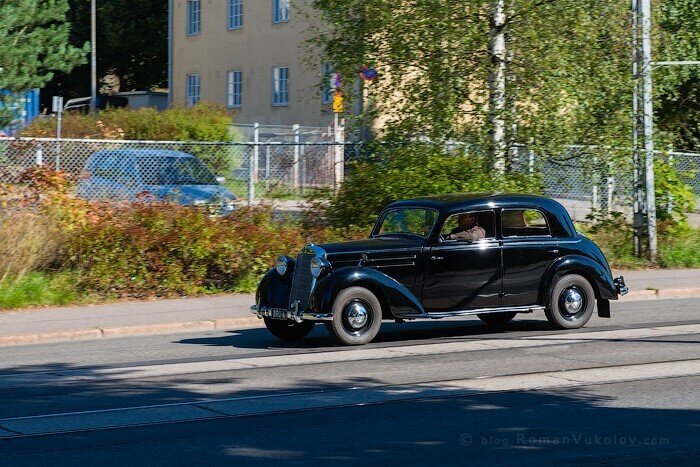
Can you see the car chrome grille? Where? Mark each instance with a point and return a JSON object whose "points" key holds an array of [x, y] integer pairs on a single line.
{"points": [[302, 281]]}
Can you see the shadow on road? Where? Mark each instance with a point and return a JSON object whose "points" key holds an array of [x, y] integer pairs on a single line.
{"points": [[404, 333]]}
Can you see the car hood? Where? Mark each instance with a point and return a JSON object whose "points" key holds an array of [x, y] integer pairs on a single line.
{"points": [[192, 194], [372, 247]]}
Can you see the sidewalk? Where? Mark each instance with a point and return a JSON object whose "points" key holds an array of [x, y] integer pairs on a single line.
{"points": [[233, 312]]}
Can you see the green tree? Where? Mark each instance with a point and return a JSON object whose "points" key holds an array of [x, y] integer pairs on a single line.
{"points": [[568, 65], [33, 46]]}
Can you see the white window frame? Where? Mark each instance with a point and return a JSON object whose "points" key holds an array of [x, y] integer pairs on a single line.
{"points": [[194, 17], [280, 86], [193, 85], [327, 90], [281, 11], [234, 89], [235, 14]]}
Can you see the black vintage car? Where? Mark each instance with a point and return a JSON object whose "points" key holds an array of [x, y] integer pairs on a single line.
{"points": [[520, 254]]}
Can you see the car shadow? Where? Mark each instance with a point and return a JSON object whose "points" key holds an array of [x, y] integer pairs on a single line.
{"points": [[390, 333]]}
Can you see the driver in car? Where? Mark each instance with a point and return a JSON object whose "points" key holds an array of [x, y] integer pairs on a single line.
{"points": [[467, 229]]}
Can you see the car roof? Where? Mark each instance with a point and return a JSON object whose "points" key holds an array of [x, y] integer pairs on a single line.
{"points": [[460, 201], [449, 204], [143, 153]]}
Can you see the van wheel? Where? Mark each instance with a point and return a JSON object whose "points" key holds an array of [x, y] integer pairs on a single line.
{"points": [[571, 302], [289, 330], [357, 316]]}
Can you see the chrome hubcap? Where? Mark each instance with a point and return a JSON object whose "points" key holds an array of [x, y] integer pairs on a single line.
{"points": [[573, 301], [357, 315]]}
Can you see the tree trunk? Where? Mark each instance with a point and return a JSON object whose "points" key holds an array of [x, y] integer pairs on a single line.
{"points": [[497, 84]]}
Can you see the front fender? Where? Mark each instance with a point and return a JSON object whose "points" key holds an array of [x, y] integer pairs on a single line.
{"points": [[274, 290], [397, 301], [597, 274]]}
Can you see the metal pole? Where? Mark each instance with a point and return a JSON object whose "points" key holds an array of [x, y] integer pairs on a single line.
{"points": [[267, 168], [93, 56], [295, 165], [648, 109], [256, 151], [637, 198], [58, 138]]}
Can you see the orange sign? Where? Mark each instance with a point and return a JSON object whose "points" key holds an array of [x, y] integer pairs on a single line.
{"points": [[337, 102]]}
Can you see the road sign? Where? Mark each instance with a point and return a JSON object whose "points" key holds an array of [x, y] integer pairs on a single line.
{"points": [[337, 102], [57, 104]]}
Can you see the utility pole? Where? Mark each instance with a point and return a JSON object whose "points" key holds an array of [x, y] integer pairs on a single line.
{"points": [[497, 83], [93, 56], [648, 119], [638, 195]]}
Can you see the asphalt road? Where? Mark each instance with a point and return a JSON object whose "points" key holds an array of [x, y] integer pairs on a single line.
{"points": [[619, 391]]}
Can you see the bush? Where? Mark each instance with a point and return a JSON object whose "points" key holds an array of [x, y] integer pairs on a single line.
{"points": [[202, 122], [415, 170]]}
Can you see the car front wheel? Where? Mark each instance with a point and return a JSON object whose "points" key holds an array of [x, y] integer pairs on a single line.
{"points": [[289, 330], [357, 316], [571, 302]]}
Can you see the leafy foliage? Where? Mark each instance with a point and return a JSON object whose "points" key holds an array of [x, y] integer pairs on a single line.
{"points": [[34, 45], [416, 170]]}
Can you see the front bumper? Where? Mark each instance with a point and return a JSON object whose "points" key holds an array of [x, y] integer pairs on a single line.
{"points": [[620, 286], [292, 315]]}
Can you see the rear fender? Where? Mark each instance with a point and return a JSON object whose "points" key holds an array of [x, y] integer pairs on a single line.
{"points": [[597, 274], [397, 300]]}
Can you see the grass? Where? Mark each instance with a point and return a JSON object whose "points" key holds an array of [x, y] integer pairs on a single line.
{"points": [[40, 289]]}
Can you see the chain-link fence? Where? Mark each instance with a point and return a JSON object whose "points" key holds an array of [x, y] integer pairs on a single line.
{"points": [[191, 171], [583, 179]]}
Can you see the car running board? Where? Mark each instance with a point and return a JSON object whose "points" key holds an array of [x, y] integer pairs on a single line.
{"points": [[478, 311]]}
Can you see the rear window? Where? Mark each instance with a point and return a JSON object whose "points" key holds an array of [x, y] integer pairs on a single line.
{"points": [[524, 223]]}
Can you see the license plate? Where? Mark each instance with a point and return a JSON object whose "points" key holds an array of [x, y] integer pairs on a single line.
{"points": [[277, 314]]}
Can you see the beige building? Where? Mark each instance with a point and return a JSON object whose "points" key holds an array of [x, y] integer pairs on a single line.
{"points": [[247, 55]]}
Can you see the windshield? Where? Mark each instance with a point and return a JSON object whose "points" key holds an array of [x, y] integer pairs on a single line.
{"points": [[164, 170], [407, 221]]}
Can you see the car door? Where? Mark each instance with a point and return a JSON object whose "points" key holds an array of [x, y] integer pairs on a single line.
{"points": [[461, 275], [528, 251]]}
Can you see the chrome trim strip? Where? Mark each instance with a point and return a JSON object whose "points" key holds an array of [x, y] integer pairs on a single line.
{"points": [[262, 312], [480, 311]]}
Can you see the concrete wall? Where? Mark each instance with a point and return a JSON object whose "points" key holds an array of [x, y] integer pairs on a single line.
{"points": [[255, 49]]}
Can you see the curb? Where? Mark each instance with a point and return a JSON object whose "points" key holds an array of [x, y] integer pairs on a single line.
{"points": [[127, 331], [252, 322]]}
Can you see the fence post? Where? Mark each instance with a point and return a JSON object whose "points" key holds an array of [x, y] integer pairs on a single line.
{"points": [[338, 162], [256, 150], [531, 161], [267, 168], [251, 178], [39, 155], [596, 201], [295, 165], [611, 188]]}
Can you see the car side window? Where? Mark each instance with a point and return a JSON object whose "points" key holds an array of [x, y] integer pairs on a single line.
{"points": [[524, 223], [469, 226]]}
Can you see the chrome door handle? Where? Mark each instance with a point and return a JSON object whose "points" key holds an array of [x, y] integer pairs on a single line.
{"points": [[437, 258], [553, 251]]}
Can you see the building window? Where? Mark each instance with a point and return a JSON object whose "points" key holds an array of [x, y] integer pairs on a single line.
{"points": [[280, 11], [193, 89], [194, 17], [328, 87], [234, 89], [280, 85], [235, 14]]}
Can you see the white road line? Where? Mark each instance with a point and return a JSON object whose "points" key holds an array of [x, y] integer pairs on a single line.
{"points": [[256, 405], [335, 356]]}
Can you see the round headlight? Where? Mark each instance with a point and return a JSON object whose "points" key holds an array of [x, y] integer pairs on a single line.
{"points": [[281, 265], [316, 267]]}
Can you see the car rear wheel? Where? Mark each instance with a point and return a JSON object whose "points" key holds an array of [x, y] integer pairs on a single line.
{"points": [[357, 316], [571, 302], [497, 319], [289, 330]]}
